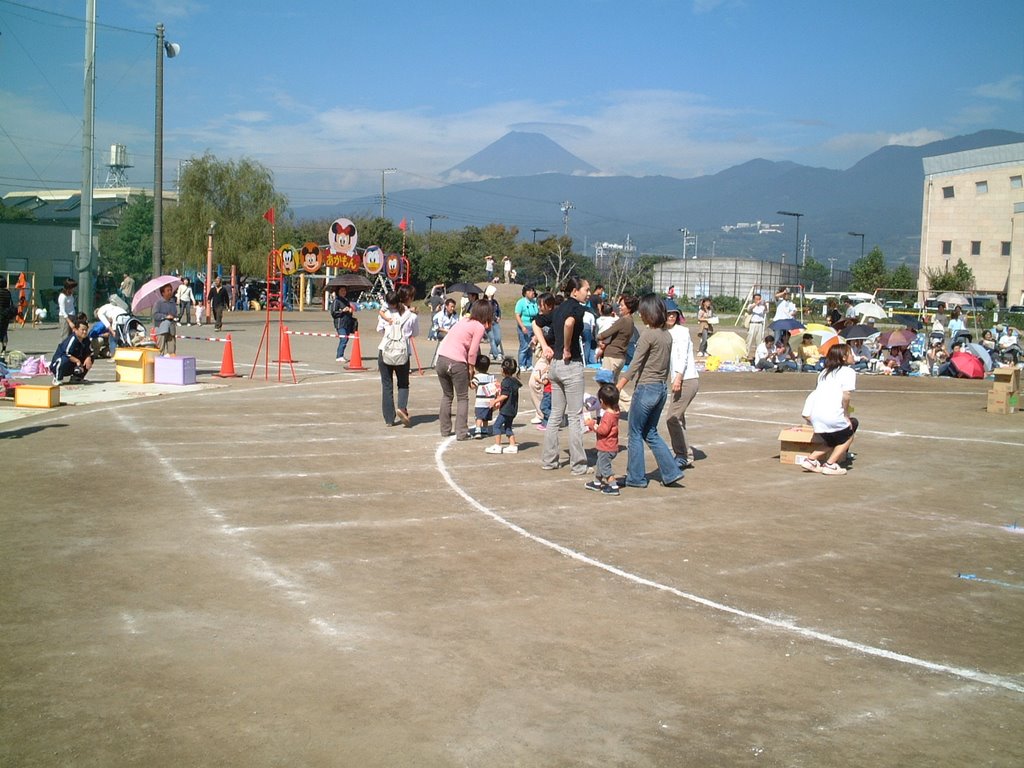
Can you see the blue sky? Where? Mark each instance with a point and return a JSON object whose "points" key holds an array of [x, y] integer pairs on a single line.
{"points": [[326, 94]]}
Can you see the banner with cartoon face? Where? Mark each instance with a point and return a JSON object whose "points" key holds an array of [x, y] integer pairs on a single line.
{"points": [[342, 236], [392, 267], [373, 260], [311, 261], [286, 260]]}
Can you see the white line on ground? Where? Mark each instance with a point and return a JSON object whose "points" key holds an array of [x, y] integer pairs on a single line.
{"points": [[909, 435], [786, 626]]}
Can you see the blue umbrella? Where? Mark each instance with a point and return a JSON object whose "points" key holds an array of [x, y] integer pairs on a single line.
{"points": [[786, 324]]}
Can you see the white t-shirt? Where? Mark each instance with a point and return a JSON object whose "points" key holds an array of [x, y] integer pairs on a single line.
{"points": [[824, 406], [785, 310], [757, 312]]}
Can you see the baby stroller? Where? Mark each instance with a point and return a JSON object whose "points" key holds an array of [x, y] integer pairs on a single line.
{"points": [[128, 331]]}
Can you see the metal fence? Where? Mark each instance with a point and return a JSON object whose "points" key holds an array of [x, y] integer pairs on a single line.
{"points": [[733, 277]]}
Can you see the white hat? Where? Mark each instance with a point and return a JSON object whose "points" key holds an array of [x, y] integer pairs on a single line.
{"points": [[489, 291]]}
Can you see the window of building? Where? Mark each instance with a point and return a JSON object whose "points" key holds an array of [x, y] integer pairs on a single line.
{"points": [[981, 187], [947, 192], [1016, 182], [1004, 248], [61, 270], [16, 265], [947, 247], [975, 247]]}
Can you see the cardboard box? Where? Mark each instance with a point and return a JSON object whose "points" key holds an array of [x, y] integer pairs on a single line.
{"points": [[797, 443], [174, 370], [134, 365], [1006, 380], [1003, 402], [36, 396]]}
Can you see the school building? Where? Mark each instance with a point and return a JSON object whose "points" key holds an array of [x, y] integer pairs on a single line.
{"points": [[974, 210]]}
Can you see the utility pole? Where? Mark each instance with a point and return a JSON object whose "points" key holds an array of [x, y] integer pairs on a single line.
{"points": [[84, 257], [566, 207], [383, 196]]}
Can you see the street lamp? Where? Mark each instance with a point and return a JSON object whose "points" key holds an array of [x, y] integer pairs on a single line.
{"points": [[535, 230], [686, 233], [430, 226], [171, 50], [383, 197], [861, 236], [796, 251], [209, 269]]}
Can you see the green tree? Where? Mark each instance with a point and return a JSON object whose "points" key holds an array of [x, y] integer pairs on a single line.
{"points": [[960, 278], [129, 248], [233, 194], [12, 214], [868, 273], [902, 278], [814, 275]]}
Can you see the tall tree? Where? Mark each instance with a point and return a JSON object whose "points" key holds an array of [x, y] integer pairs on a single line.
{"points": [[234, 194], [129, 248], [903, 278], [814, 274], [868, 273]]}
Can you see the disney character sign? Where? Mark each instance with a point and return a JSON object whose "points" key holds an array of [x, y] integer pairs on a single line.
{"points": [[342, 236]]}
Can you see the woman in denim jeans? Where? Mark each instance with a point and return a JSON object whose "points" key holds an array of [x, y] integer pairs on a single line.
{"points": [[650, 367]]}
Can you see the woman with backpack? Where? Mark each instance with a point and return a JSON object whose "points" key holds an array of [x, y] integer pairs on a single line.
{"points": [[396, 324]]}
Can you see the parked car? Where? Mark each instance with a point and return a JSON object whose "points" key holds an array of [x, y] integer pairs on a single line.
{"points": [[895, 305], [1016, 309]]}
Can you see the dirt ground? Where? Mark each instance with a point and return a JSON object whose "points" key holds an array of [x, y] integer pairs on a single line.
{"points": [[260, 573]]}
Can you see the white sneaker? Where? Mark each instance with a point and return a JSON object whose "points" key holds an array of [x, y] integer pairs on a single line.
{"points": [[810, 465], [536, 420], [510, 449], [493, 449], [832, 469], [339, 359]]}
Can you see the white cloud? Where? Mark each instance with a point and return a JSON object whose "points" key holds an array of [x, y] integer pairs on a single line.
{"points": [[1010, 88]]}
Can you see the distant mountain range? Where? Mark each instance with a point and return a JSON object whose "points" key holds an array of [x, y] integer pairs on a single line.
{"points": [[525, 178]]}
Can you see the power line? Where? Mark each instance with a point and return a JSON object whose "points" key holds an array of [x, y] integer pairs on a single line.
{"points": [[76, 19]]}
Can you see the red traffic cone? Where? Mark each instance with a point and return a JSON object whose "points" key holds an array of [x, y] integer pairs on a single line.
{"points": [[285, 348], [227, 362], [355, 361]]}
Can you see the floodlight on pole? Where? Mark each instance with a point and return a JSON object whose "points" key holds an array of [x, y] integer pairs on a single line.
{"points": [[861, 236], [163, 48], [796, 250]]}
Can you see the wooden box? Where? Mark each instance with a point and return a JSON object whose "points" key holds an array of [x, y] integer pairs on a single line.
{"points": [[174, 370], [36, 396], [134, 365], [797, 443]]}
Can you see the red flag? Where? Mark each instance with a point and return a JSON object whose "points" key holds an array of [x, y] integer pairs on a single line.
{"points": [[402, 225], [269, 215]]}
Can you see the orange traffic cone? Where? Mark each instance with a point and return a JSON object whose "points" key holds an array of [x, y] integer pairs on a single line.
{"points": [[355, 360], [227, 363], [285, 351]]}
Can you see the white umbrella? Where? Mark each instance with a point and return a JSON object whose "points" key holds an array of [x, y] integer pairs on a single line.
{"points": [[149, 293], [868, 309], [952, 299]]}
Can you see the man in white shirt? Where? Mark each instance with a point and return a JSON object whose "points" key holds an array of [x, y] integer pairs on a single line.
{"points": [[784, 310], [755, 330]]}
